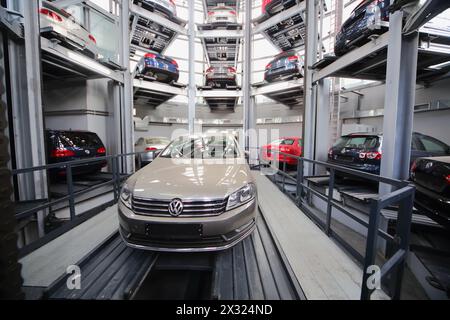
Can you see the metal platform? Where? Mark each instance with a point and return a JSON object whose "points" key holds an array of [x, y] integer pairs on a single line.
{"points": [[289, 93], [286, 30], [59, 62], [253, 269], [151, 31], [153, 93], [369, 61]]}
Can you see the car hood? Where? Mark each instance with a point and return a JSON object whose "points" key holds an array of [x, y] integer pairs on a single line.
{"points": [[190, 178]]}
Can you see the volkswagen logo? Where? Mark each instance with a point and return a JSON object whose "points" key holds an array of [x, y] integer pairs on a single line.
{"points": [[176, 207], [87, 151]]}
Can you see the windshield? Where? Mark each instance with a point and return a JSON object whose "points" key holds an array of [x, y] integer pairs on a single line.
{"points": [[79, 140], [157, 141], [211, 147], [357, 142], [287, 142]]}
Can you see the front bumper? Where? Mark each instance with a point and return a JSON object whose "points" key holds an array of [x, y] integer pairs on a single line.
{"points": [[282, 74], [218, 232]]}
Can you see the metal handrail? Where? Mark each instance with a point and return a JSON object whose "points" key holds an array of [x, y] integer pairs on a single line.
{"points": [[402, 195], [115, 181]]}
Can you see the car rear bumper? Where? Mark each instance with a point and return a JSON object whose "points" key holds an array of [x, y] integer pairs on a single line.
{"points": [[171, 76], [434, 205], [157, 4], [217, 233], [282, 74], [368, 168], [280, 158]]}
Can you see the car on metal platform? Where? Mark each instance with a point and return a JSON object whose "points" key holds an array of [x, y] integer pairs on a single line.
{"points": [[222, 15], [431, 176], [56, 23], [220, 76], [363, 151], [285, 66], [68, 145], [167, 8], [149, 147], [197, 195], [159, 67], [272, 7], [289, 145]]}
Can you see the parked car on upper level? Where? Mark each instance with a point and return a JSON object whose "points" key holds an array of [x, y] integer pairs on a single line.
{"points": [[285, 66], [64, 146], [162, 68], [57, 23], [274, 6], [220, 76], [290, 145], [167, 8], [356, 31], [362, 151], [149, 148], [197, 195], [431, 177], [222, 14]]}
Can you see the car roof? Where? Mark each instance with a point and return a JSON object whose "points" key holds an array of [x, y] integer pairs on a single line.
{"points": [[445, 159]]}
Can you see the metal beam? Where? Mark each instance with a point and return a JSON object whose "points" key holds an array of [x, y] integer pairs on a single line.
{"points": [[399, 102], [192, 88], [249, 106], [235, 34], [159, 87], [309, 116], [220, 93], [278, 87]]}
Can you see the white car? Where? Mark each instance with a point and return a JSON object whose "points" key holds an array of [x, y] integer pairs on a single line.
{"points": [[222, 14], [166, 7], [57, 23], [149, 147]]}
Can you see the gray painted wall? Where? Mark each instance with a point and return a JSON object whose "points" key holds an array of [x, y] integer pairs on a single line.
{"points": [[434, 123]]}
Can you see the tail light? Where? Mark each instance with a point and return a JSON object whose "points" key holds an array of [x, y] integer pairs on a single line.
{"points": [[173, 2], [269, 66], [150, 55], [231, 69], [149, 149], [101, 150], [362, 155], [51, 14], [233, 12], [91, 37], [373, 155], [330, 152], [414, 167], [175, 63], [62, 153], [447, 178], [211, 69], [211, 13], [293, 58]]}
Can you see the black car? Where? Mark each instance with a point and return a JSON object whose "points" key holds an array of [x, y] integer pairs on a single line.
{"points": [[287, 65], [63, 146], [431, 177], [362, 151], [355, 30]]}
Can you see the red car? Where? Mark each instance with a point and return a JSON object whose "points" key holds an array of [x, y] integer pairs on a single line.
{"points": [[274, 6], [290, 145]]}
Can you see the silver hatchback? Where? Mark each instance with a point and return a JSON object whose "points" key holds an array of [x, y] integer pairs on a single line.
{"points": [[222, 14]]}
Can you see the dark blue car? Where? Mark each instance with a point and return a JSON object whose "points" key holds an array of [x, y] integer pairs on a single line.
{"points": [[64, 146], [355, 30], [285, 66], [162, 68], [362, 151]]}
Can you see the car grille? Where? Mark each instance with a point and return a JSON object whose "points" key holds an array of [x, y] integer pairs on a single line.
{"points": [[192, 208]]}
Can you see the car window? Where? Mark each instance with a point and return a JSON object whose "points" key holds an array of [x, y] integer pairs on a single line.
{"points": [[79, 140], [433, 145], [357, 142], [211, 147], [286, 142], [156, 141]]}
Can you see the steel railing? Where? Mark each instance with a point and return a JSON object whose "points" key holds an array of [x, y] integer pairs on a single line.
{"points": [[118, 175], [391, 271]]}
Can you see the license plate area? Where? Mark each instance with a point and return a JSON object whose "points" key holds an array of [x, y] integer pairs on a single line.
{"points": [[173, 231]]}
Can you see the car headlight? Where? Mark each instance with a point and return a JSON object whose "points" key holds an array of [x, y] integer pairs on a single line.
{"points": [[242, 196], [125, 195]]}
